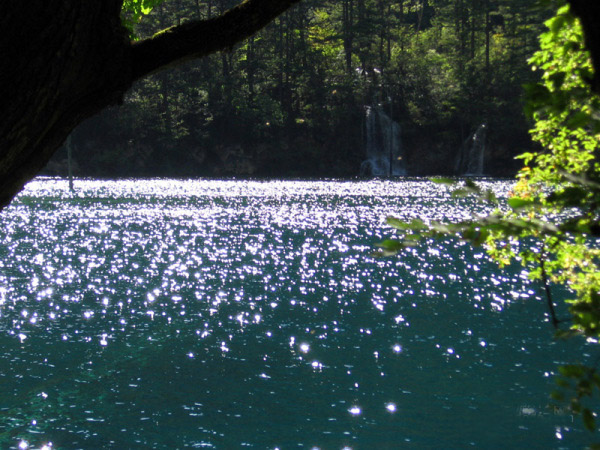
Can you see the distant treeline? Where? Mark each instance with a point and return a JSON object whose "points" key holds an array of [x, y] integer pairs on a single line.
{"points": [[291, 100]]}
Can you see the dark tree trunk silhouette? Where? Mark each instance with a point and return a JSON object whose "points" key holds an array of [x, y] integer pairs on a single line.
{"points": [[64, 61], [588, 12]]}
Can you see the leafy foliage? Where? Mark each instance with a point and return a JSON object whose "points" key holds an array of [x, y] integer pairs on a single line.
{"points": [[134, 10], [551, 224]]}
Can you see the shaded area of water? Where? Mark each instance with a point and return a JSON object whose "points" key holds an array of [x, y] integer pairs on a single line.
{"points": [[170, 314]]}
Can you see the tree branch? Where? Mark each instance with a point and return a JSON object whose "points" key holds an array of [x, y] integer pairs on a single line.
{"points": [[200, 38], [546, 284]]}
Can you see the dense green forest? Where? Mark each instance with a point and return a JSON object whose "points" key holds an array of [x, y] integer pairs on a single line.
{"points": [[291, 101]]}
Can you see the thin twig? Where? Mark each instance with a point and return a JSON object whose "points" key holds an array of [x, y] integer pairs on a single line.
{"points": [[549, 300]]}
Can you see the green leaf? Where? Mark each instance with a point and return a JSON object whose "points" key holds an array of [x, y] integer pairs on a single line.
{"points": [[578, 120], [391, 245], [490, 197], [588, 419], [556, 23], [537, 93], [570, 196], [446, 181], [472, 185], [557, 79], [414, 225], [571, 371], [519, 203], [567, 334], [462, 192], [396, 223]]}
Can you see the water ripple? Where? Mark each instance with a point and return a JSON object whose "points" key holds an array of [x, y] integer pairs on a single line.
{"points": [[177, 312]]}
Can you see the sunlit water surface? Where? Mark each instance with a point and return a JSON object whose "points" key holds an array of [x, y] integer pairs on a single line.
{"points": [[227, 314]]}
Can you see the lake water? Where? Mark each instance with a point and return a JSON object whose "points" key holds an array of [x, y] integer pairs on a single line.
{"points": [[228, 314]]}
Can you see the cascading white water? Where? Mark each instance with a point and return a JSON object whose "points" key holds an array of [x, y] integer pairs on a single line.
{"points": [[383, 145], [471, 156]]}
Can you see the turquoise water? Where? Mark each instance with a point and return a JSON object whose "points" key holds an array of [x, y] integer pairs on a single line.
{"points": [[228, 314]]}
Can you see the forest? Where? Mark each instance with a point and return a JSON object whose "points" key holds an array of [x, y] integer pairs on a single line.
{"points": [[292, 100]]}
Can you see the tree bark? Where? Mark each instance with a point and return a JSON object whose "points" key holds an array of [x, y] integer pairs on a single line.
{"points": [[588, 12], [66, 60]]}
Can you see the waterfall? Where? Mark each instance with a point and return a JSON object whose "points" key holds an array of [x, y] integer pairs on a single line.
{"points": [[472, 153], [383, 146]]}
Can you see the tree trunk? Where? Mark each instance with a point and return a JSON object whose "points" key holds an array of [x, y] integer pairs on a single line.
{"points": [[588, 12], [488, 30], [348, 32], [66, 60], [250, 71], [62, 64]]}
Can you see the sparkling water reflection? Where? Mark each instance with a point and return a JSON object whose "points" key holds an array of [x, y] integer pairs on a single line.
{"points": [[166, 314]]}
